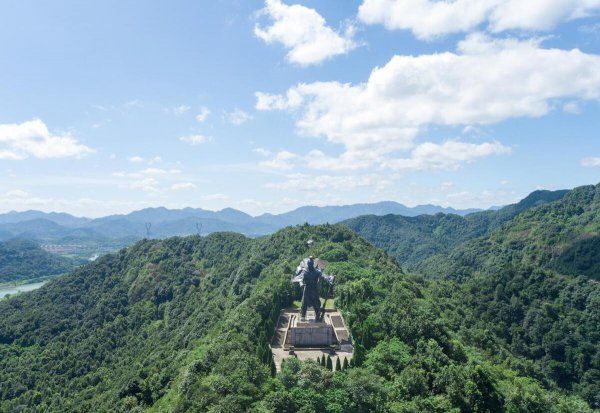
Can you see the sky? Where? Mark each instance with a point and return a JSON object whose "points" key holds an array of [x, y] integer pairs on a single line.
{"points": [[111, 106]]}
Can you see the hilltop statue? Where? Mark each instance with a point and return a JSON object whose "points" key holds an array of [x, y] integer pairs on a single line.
{"points": [[308, 275]]}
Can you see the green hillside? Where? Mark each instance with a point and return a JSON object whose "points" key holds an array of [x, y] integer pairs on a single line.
{"points": [[560, 235], [529, 290], [24, 260], [413, 239], [182, 325]]}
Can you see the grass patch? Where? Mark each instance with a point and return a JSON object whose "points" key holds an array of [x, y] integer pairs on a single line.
{"points": [[329, 306]]}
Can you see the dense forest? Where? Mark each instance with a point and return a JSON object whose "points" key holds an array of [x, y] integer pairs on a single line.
{"points": [[413, 239], [25, 260], [183, 324], [528, 292]]}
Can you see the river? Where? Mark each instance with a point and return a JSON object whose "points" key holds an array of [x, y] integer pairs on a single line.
{"points": [[11, 289]]}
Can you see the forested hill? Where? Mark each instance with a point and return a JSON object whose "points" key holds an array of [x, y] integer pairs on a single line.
{"points": [[182, 325], [530, 289], [413, 239], [562, 235], [25, 260]]}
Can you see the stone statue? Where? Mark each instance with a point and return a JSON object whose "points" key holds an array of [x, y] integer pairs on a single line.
{"points": [[308, 276]]}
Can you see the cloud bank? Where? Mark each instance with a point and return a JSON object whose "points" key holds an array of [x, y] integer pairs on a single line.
{"points": [[485, 81], [428, 19]]}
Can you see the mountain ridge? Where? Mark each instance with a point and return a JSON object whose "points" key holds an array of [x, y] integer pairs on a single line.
{"points": [[164, 222], [412, 239]]}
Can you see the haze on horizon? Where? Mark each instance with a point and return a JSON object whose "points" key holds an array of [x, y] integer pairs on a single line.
{"points": [[265, 106]]}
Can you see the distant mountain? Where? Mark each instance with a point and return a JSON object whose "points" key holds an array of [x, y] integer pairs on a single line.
{"points": [[412, 239], [333, 214], [25, 260], [36, 229], [59, 218], [164, 222]]}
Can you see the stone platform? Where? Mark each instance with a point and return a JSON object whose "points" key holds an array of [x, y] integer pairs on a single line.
{"points": [[311, 339]]}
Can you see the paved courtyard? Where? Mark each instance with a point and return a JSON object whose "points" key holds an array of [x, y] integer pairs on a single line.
{"points": [[289, 319]]}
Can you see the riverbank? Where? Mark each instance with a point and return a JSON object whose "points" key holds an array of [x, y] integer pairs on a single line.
{"points": [[16, 290]]}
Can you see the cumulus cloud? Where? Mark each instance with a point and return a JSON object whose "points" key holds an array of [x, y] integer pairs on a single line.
{"points": [[135, 159], [428, 18], [178, 110], [591, 162], [148, 172], [484, 82], [196, 140], [33, 138], [146, 184], [449, 156], [215, 197], [238, 117], [304, 182], [202, 114], [262, 151], [281, 160], [179, 186], [148, 179], [304, 32]]}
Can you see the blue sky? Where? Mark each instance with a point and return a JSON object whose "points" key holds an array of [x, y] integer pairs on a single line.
{"points": [[110, 106]]}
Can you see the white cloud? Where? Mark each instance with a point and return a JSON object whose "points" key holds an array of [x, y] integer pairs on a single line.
{"points": [[146, 184], [215, 197], [591, 29], [134, 103], [17, 193], [148, 172], [11, 156], [483, 199], [238, 117], [449, 155], [178, 110], [32, 138], [572, 108], [196, 140], [135, 159], [282, 160], [158, 171], [304, 32], [179, 186], [149, 179], [428, 19], [262, 151], [303, 182], [591, 162], [486, 81], [202, 114]]}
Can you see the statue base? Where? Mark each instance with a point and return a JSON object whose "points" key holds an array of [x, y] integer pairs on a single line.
{"points": [[310, 339], [312, 334]]}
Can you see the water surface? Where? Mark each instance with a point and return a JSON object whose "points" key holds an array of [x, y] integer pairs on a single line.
{"points": [[11, 289]]}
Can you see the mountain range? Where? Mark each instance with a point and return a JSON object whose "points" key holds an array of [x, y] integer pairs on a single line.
{"points": [[411, 239], [62, 228]]}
